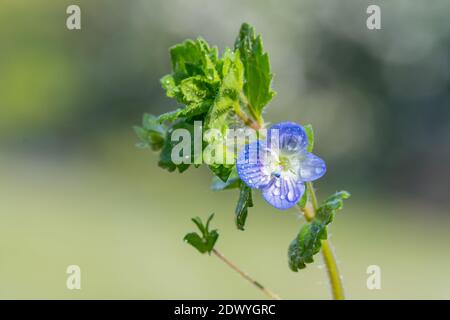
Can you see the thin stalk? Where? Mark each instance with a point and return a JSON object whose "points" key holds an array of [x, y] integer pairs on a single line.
{"points": [[333, 271], [337, 288], [252, 111], [247, 120], [244, 274]]}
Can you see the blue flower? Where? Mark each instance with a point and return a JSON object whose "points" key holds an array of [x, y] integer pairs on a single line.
{"points": [[281, 165]]}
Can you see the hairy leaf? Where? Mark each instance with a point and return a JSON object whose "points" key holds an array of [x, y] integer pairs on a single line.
{"points": [[245, 202], [306, 245], [328, 209], [309, 240], [192, 58], [258, 78], [187, 112], [227, 98], [194, 81]]}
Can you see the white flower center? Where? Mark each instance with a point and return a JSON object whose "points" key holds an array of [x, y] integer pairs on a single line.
{"points": [[283, 165]]}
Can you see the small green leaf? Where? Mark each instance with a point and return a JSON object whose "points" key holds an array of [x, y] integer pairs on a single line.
{"points": [[245, 202], [196, 241], [306, 245], [192, 58], [196, 90], [169, 85], [229, 92], [187, 112], [198, 222], [165, 157], [194, 81], [211, 240], [309, 240], [258, 77], [141, 133], [221, 171], [310, 135], [327, 210], [208, 221], [196, 93], [151, 134], [206, 241], [150, 123], [233, 181], [294, 256]]}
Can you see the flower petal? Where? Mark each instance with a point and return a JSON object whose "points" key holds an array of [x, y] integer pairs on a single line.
{"points": [[291, 136], [311, 167], [283, 193], [251, 167]]}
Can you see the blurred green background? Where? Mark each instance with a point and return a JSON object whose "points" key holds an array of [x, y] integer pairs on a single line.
{"points": [[75, 190]]}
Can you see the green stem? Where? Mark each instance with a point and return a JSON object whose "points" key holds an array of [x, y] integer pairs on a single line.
{"points": [[337, 288], [252, 111], [333, 271], [247, 121]]}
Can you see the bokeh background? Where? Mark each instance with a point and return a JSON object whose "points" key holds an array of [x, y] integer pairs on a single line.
{"points": [[75, 190]]}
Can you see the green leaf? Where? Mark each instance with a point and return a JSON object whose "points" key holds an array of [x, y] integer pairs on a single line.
{"points": [[196, 90], [196, 241], [310, 135], [328, 209], [208, 238], [165, 157], [187, 112], [198, 222], [194, 81], [208, 221], [221, 171], [169, 85], [294, 256], [232, 182], [306, 245], [258, 78], [309, 240], [150, 123], [227, 98], [211, 240], [245, 201], [151, 134], [192, 58]]}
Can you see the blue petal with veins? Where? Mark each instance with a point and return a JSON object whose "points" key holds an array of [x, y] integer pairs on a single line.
{"points": [[311, 167], [283, 193], [281, 166], [251, 166], [291, 136]]}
